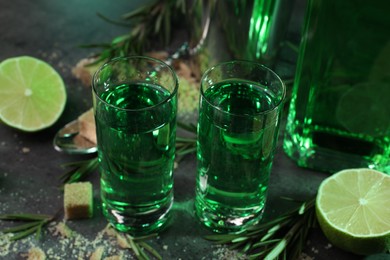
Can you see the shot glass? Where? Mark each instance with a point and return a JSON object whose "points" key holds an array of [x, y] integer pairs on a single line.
{"points": [[239, 118], [135, 106]]}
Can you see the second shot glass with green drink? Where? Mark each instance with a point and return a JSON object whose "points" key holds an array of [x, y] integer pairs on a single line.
{"points": [[239, 118], [135, 105]]}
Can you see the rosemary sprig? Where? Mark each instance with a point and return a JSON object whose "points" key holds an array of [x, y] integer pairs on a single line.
{"points": [[185, 145], [139, 247], [280, 238], [151, 21], [35, 223], [80, 170], [188, 127]]}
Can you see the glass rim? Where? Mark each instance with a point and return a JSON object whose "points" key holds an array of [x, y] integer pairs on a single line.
{"points": [[116, 59], [283, 86]]}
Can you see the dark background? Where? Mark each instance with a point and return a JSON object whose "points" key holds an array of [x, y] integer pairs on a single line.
{"points": [[30, 167]]}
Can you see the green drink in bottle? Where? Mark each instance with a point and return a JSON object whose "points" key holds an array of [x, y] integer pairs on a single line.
{"points": [[339, 115]]}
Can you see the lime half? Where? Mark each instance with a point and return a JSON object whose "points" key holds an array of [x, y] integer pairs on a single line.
{"points": [[353, 210], [33, 94]]}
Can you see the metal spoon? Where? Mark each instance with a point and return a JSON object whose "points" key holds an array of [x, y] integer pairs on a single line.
{"points": [[68, 140]]}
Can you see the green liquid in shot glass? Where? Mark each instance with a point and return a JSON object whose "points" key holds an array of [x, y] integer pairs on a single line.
{"points": [[235, 152], [136, 155]]}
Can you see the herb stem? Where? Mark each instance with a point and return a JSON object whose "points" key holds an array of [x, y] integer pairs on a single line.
{"points": [[282, 237], [35, 224]]}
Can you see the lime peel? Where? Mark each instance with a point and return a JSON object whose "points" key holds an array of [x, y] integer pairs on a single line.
{"points": [[353, 210]]}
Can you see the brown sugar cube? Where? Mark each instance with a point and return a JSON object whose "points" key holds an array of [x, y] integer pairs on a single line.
{"points": [[87, 127], [78, 200]]}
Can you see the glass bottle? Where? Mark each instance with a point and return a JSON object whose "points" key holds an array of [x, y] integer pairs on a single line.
{"points": [[339, 113], [255, 29]]}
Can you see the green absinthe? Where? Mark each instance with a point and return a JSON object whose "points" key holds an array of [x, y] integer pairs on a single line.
{"points": [[340, 109], [235, 150], [136, 155]]}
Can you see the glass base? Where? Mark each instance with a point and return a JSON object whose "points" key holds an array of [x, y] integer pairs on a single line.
{"points": [[332, 152], [222, 219], [138, 221]]}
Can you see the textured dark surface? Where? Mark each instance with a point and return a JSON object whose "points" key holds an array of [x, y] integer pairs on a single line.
{"points": [[29, 166]]}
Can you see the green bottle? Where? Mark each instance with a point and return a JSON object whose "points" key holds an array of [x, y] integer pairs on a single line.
{"points": [[255, 29], [339, 113]]}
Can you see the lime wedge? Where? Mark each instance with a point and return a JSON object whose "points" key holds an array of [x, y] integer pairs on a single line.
{"points": [[32, 94], [353, 210]]}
